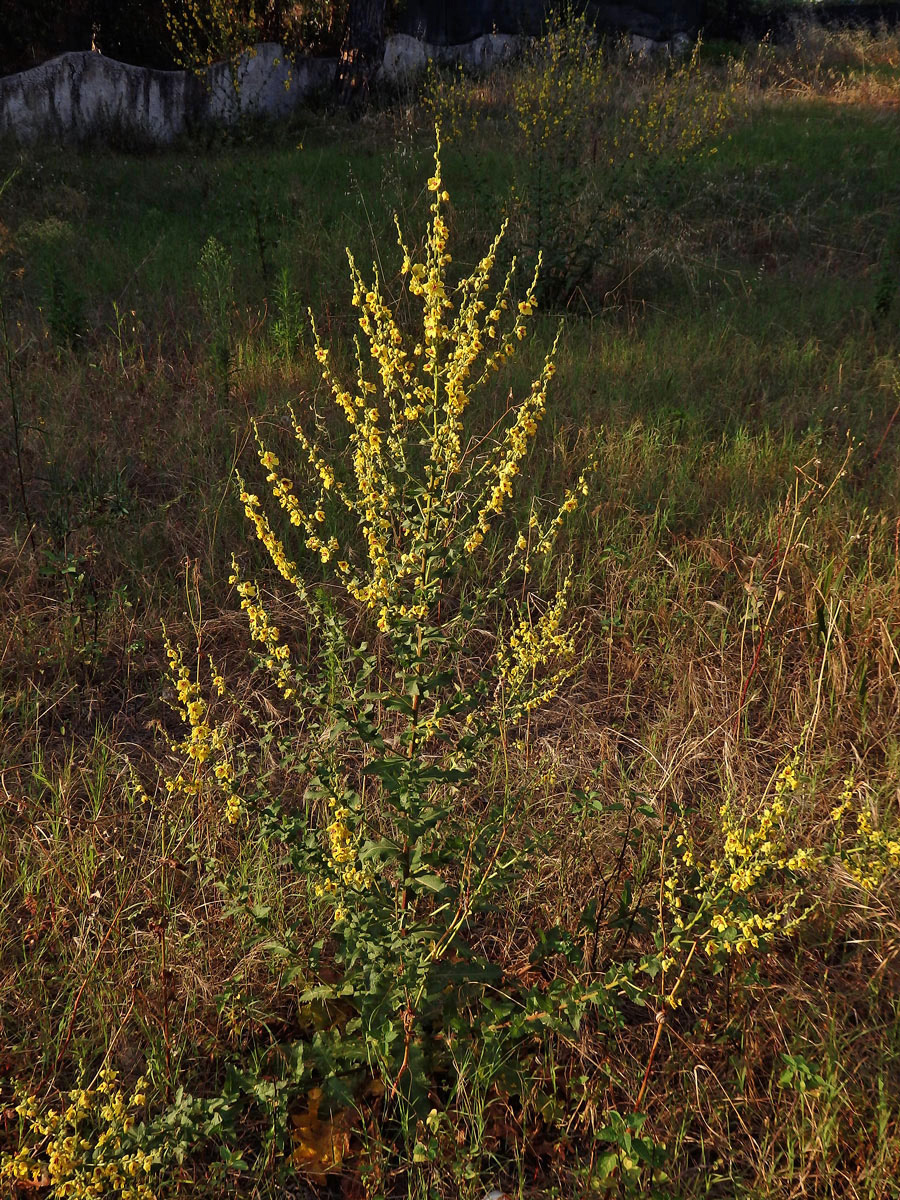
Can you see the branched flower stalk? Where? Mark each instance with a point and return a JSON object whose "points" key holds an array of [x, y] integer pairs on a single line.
{"points": [[395, 704]]}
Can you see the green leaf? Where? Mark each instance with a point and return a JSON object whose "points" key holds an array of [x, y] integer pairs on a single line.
{"points": [[325, 991], [430, 883]]}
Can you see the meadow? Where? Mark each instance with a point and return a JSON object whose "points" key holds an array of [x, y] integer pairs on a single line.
{"points": [[680, 978]]}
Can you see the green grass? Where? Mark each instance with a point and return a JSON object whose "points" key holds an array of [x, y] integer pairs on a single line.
{"points": [[727, 348]]}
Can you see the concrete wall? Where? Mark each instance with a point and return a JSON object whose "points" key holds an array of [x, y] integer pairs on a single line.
{"points": [[406, 56], [81, 96], [84, 95], [77, 94]]}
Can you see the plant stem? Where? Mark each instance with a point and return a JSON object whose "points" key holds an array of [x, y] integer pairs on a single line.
{"points": [[14, 405]]}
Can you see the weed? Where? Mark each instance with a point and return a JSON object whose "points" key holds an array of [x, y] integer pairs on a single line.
{"points": [[587, 122], [217, 301], [287, 323], [398, 876]]}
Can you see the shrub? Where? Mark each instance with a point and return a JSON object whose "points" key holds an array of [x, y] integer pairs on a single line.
{"points": [[208, 31], [586, 121]]}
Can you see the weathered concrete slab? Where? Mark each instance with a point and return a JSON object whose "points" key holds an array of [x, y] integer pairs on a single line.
{"points": [[84, 95], [406, 56], [79, 94], [264, 82]]}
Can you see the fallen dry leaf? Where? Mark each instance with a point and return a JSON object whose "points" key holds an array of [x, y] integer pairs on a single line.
{"points": [[319, 1144]]}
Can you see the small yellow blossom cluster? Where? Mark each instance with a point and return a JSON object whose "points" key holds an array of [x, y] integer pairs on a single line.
{"points": [[205, 748], [428, 280], [191, 706], [277, 656], [545, 538], [568, 86], [503, 471], [319, 465], [283, 491], [546, 768], [562, 85], [375, 493], [136, 790], [538, 539], [206, 31], [751, 851], [745, 934], [873, 852], [273, 544], [397, 367], [710, 901], [84, 1150], [450, 101], [451, 349], [427, 726], [845, 801], [345, 873], [678, 112], [531, 646], [375, 496], [421, 392]]}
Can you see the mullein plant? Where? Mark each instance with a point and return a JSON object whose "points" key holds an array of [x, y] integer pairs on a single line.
{"points": [[756, 884], [589, 130], [395, 706]]}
